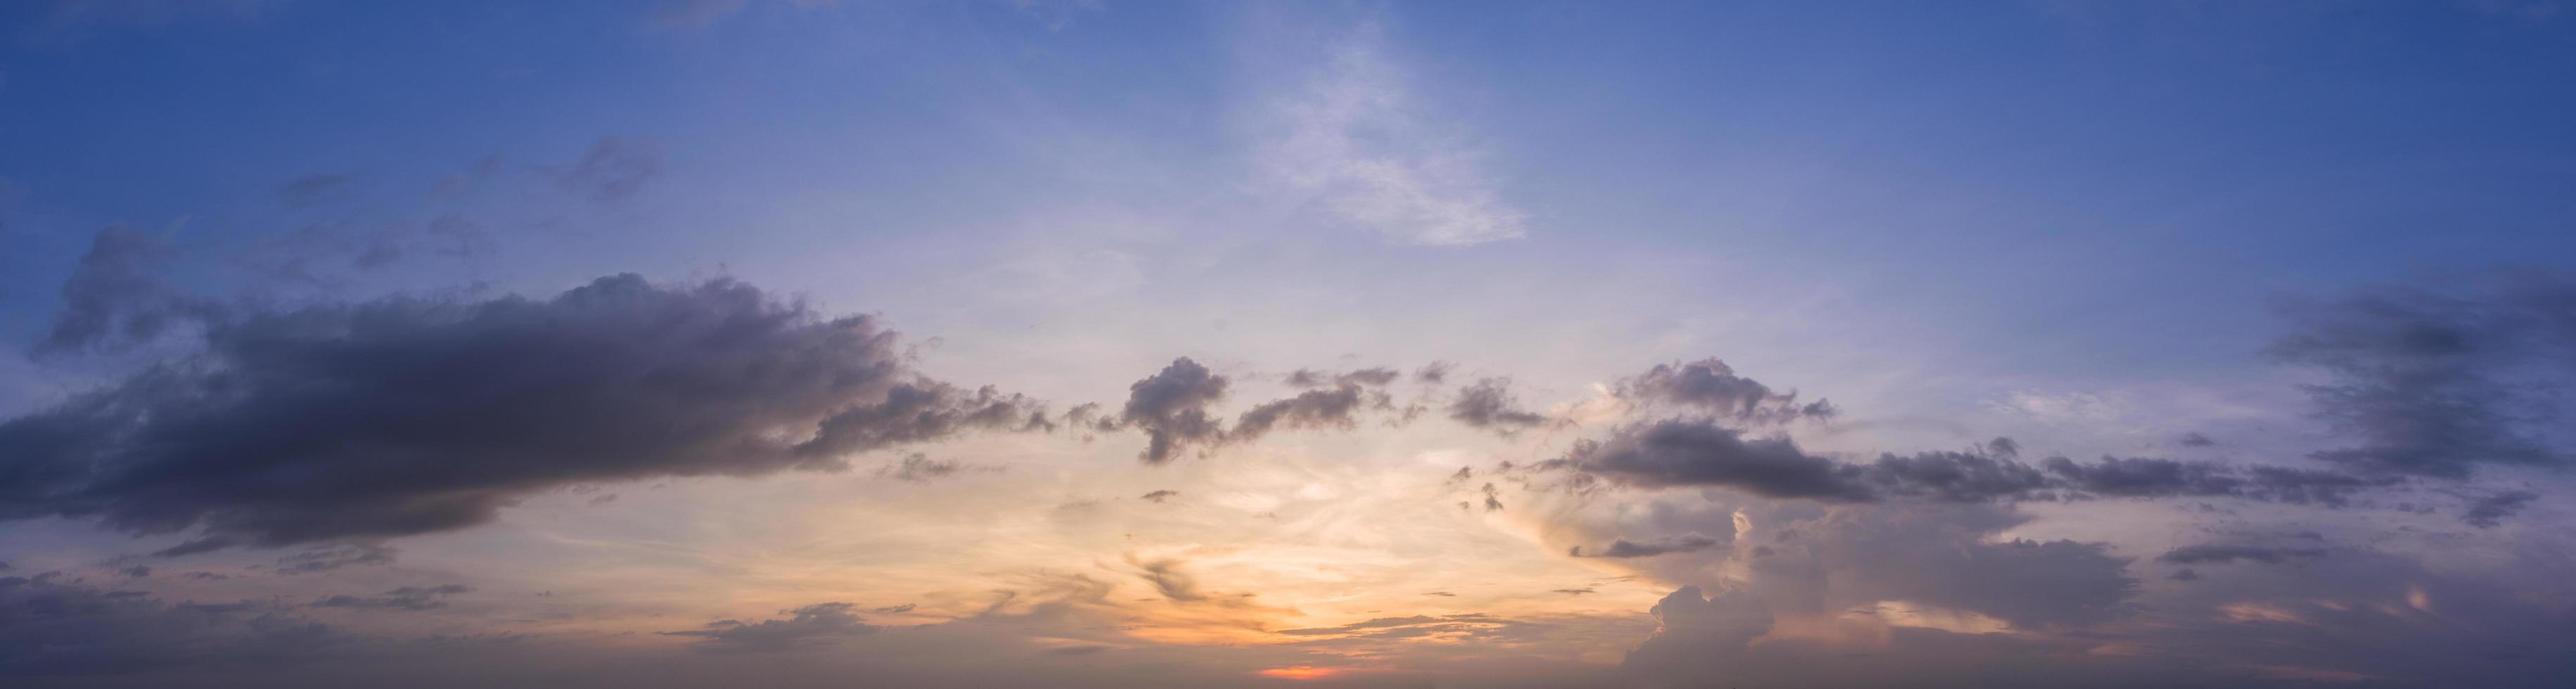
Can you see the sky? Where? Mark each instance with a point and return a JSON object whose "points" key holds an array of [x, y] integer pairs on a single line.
{"points": [[1092, 343]]}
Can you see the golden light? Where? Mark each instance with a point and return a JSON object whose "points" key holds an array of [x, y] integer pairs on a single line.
{"points": [[1300, 672]]}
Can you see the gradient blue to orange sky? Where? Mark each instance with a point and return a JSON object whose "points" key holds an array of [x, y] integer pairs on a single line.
{"points": [[1091, 343]]}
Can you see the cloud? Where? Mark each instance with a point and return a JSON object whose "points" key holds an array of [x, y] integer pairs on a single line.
{"points": [[412, 415], [920, 468], [1489, 404], [115, 296], [1710, 386], [49, 628], [812, 625], [2489, 511], [2209, 553], [321, 559], [405, 598], [1160, 495], [1624, 548], [1699, 452], [2437, 384], [1329, 408], [613, 170], [313, 190], [1692, 628], [1352, 136], [1172, 407]]}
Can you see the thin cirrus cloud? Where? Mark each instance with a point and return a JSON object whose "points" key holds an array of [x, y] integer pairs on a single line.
{"points": [[1354, 136]]}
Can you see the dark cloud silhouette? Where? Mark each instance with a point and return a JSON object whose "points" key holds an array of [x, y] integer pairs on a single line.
{"points": [[812, 625], [2195, 440], [1160, 495], [1624, 548], [2487, 512], [1328, 408], [614, 169], [1172, 407], [405, 598], [1710, 386], [2211, 553], [1489, 404], [136, 571], [2436, 384], [1699, 452], [411, 415]]}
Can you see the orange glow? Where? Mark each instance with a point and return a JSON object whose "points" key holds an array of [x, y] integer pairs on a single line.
{"points": [[1300, 672]]}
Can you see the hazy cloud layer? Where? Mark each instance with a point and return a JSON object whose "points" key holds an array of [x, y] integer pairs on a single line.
{"points": [[2437, 384]]}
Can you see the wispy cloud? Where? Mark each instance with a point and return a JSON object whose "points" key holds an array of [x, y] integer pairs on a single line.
{"points": [[1353, 136]]}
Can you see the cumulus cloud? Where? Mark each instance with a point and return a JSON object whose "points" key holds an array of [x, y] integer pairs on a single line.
{"points": [[1710, 386], [1489, 404], [1172, 407], [410, 415]]}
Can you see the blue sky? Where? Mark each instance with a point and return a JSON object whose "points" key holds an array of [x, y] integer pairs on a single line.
{"points": [[2096, 228]]}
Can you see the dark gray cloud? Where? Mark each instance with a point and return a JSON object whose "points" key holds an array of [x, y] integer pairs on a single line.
{"points": [[1172, 407], [405, 598], [1710, 386], [2487, 512], [1328, 408], [1700, 452], [2436, 384], [1489, 404], [115, 296], [136, 571], [1160, 495], [2212, 553], [614, 169], [2195, 440], [812, 625], [411, 415], [1624, 548]]}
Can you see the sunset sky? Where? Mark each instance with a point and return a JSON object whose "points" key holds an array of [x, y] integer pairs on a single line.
{"points": [[1092, 343]]}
